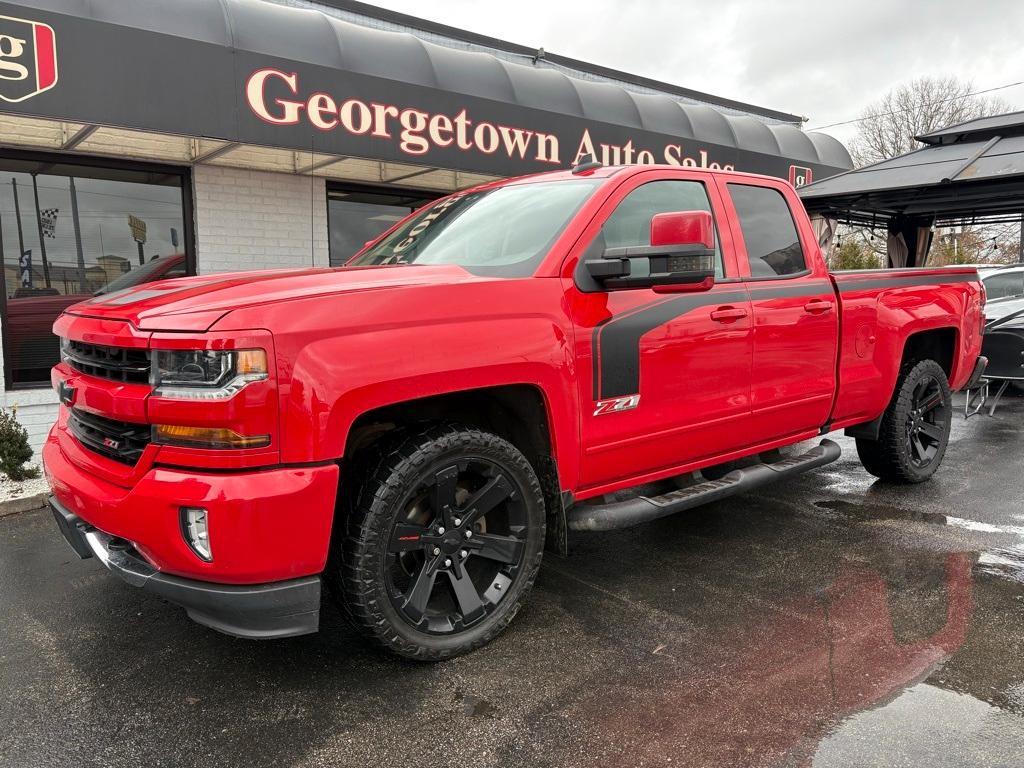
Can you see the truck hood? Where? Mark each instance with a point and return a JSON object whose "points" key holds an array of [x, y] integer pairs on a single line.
{"points": [[196, 303]]}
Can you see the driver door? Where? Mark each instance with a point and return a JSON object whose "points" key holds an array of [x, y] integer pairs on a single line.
{"points": [[664, 378]]}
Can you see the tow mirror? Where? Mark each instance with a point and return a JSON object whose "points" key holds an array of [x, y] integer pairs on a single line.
{"points": [[681, 257]]}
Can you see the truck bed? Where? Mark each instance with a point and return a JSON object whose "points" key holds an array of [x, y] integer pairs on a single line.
{"points": [[880, 308]]}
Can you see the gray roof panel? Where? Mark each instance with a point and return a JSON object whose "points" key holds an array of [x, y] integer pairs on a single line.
{"points": [[1010, 124]]}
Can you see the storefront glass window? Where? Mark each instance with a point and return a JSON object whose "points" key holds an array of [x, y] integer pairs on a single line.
{"points": [[357, 216], [70, 232]]}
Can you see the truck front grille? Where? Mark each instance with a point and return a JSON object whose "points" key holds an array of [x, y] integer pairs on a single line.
{"points": [[117, 363], [118, 440]]}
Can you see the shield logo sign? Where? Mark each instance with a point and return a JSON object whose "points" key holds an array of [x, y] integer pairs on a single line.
{"points": [[28, 58], [800, 176]]}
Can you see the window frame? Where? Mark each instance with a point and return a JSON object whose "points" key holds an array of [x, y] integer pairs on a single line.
{"points": [[184, 173], [742, 255], [725, 237]]}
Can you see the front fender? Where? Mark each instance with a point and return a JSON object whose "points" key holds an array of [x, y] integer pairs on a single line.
{"points": [[489, 333]]}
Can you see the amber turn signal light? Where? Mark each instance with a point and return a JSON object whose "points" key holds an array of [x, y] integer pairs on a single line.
{"points": [[206, 437]]}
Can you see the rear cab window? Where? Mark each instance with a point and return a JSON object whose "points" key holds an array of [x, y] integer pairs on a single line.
{"points": [[769, 232]]}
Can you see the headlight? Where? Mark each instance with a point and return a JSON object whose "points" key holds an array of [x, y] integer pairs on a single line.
{"points": [[203, 374]]}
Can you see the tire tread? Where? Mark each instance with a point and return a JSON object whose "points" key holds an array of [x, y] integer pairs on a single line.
{"points": [[886, 458], [388, 468]]}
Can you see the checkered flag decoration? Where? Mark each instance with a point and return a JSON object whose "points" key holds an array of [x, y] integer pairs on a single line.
{"points": [[48, 217]]}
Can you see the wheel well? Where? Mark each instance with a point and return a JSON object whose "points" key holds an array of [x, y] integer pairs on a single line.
{"points": [[516, 413], [938, 345]]}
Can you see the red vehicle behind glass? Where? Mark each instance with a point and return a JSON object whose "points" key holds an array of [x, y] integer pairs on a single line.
{"points": [[411, 428]]}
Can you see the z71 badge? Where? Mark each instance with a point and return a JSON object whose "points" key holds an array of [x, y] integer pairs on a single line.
{"points": [[616, 404]]}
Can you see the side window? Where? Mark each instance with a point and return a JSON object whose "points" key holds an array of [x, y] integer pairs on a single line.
{"points": [[1002, 285], [630, 223], [773, 246]]}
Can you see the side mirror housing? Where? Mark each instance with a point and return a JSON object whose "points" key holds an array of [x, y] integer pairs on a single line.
{"points": [[681, 256], [683, 228]]}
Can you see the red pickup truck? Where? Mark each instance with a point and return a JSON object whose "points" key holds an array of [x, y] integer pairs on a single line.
{"points": [[579, 350]]}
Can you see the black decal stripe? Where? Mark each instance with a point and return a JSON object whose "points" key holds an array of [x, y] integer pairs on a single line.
{"points": [[596, 343], [617, 341], [869, 283], [790, 291]]}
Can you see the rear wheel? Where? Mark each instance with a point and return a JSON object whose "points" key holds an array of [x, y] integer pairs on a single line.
{"points": [[915, 427], [443, 543]]}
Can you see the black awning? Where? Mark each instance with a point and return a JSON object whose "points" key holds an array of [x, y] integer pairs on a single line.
{"points": [[255, 72], [968, 171]]}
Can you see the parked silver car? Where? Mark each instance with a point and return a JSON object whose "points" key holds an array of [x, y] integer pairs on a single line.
{"points": [[1004, 286]]}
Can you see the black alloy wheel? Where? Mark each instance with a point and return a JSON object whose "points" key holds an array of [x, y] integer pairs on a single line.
{"points": [[457, 547], [927, 422], [914, 430], [444, 537]]}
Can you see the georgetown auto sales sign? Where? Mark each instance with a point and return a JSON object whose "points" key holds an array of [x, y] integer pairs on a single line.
{"points": [[28, 58], [188, 75], [419, 133], [368, 117]]}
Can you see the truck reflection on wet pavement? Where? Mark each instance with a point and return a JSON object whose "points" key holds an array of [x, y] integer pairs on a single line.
{"points": [[830, 621]]}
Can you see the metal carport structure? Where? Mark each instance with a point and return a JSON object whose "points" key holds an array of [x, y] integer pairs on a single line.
{"points": [[967, 173]]}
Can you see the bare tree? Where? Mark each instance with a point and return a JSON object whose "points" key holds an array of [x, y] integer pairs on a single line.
{"points": [[888, 127]]}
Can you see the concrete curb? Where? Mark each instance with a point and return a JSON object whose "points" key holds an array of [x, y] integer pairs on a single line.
{"points": [[24, 504]]}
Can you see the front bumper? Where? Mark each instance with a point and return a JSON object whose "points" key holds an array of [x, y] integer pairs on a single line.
{"points": [[268, 525], [259, 611]]}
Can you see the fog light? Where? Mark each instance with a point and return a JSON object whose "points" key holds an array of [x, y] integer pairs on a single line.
{"points": [[196, 532]]}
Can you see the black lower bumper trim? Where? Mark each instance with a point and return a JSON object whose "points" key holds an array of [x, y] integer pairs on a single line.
{"points": [[257, 611]]}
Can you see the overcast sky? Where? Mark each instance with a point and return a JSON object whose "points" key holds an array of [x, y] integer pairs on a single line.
{"points": [[825, 60]]}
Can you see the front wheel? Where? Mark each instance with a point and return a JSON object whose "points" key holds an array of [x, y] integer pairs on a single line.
{"points": [[915, 427], [443, 543]]}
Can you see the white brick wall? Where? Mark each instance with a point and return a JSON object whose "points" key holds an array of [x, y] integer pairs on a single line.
{"points": [[258, 220], [244, 220]]}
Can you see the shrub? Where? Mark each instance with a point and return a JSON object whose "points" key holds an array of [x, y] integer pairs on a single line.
{"points": [[14, 448], [854, 255]]}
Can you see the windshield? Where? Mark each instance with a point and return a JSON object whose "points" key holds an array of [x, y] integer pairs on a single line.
{"points": [[503, 231]]}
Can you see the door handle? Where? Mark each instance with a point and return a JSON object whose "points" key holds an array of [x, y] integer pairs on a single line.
{"points": [[818, 307], [728, 314]]}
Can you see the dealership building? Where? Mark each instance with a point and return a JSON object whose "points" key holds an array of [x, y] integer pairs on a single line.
{"points": [[150, 139]]}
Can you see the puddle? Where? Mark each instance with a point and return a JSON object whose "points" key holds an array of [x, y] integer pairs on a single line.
{"points": [[939, 727], [1008, 563], [474, 706], [880, 512], [1004, 561]]}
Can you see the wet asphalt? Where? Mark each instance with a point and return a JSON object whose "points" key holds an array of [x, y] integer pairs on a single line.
{"points": [[830, 621]]}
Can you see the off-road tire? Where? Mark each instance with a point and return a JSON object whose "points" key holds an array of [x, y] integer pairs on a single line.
{"points": [[891, 457], [385, 481]]}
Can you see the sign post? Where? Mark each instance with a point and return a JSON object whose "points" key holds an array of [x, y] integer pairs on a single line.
{"points": [[138, 228], [42, 233]]}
